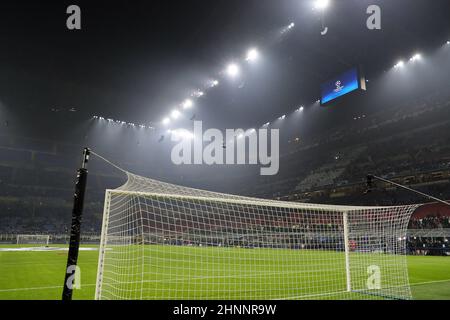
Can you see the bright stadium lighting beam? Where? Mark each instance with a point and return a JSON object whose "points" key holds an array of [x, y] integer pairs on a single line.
{"points": [[187, 104], [214, 83], [399, 64], [175, 114], [233, 70], [416, 57], [198, 94], [321, 4], [166, 121], [252, 55]]}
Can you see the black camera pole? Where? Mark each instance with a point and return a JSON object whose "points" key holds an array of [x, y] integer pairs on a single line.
{"points": [[77, 212]]}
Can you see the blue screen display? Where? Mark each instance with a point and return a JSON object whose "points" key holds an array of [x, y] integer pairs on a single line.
{"points": [[340, 86]]}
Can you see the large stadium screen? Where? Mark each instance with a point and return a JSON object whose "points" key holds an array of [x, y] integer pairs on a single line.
{"points": [[342, 85]]}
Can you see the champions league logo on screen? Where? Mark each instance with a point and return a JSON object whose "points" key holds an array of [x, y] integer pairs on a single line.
{"points": [[339, 87], [349, 81]]}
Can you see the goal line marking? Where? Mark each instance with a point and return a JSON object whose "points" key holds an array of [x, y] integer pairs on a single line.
{"points": [[289, 298]]}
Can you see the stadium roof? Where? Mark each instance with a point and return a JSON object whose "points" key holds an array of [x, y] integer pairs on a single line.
{"points": [[135, 62]]}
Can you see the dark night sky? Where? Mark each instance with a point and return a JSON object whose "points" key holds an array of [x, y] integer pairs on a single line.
{"points": [[135, 60]]}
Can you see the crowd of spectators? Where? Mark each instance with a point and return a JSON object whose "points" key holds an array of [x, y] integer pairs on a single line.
{"points": [[430, 222], [436, 242]]}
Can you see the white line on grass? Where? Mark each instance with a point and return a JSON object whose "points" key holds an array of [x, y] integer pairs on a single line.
{"points": [[314, 295], [429, 282], [40, 288]]}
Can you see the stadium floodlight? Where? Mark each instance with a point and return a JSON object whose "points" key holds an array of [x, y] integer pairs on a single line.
{"points": [[448, 42], [175, 114], [187, 104], [321, 4], [166, 121], [282, 117], [291, 25], [252, 55], [399, 64], [233, 70], [300, 109], [214, 83], [416, 57], [266, 124], [198, 94]]}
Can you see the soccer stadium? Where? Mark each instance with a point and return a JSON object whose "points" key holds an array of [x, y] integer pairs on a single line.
{"points": [[225, 150]]}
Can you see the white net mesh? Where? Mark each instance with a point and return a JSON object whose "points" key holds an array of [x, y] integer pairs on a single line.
{"points": [[162, 241]]}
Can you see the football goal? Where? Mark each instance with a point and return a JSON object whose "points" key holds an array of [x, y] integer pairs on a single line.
{"points": [[162, 241], [33, 239]]}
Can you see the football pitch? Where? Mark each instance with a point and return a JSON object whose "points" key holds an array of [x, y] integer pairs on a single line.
{"points": [[38, 275]]}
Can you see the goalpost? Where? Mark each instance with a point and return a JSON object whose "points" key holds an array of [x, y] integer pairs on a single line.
{"points": [[162, 241], [33, 239]]}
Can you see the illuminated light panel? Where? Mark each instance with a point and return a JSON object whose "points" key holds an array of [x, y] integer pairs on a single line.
{"points": [[399, 64], [321, 4], [175, 114], [252, 55], [233, 70], [188, 104]]}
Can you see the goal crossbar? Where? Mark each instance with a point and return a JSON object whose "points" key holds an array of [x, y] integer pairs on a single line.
{"points": [[249, 201]]}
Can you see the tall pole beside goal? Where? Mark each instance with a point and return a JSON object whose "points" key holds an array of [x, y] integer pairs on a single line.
{"points": [[77, 212]]}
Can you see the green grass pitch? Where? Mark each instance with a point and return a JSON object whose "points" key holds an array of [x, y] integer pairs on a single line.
{"points": [[39, 275]]}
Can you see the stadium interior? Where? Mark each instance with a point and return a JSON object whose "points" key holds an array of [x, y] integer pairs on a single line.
{"points": [[399, 129]]}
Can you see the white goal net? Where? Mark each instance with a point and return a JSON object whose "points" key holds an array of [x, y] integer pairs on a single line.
{"points": [[162, 241], [33, 239]]}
